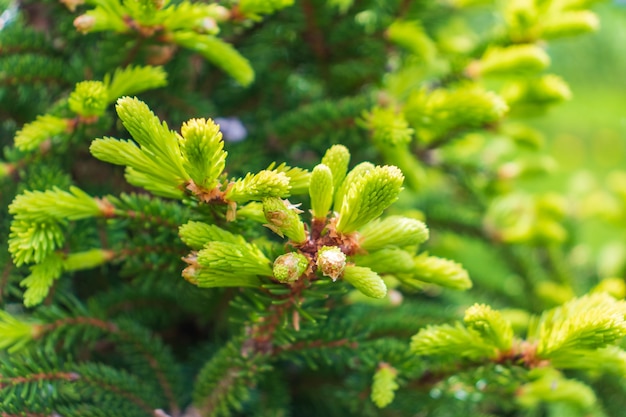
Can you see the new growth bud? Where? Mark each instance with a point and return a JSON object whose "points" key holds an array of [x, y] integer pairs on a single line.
{"points": [[392, 231], [337, 158], [321, 190], [289, 267], [490, 324], [259, 186], [89, 98], [331, 261], [283, 219], [368, 196], [388, 127], [203, 151]]}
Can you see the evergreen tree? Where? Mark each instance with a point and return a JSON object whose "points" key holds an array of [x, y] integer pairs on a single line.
{"points": [[250, 208]]}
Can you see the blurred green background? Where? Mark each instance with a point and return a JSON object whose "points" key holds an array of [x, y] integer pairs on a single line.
{"points": [[587, 135], [589, 131]]}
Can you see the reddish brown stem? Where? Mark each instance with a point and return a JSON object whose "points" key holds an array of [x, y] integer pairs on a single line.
{"points": [[50, 376]]}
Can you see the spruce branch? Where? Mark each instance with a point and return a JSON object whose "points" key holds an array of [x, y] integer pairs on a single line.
{"points": [[197, 234], [441, 272], [384, 385], [33, 242], [190, 25], [569, 23], [412, 36], [38, 218], [223, 264], [550, 386], [610, 359], [535, 94], [69, 384], [35, 133], [225, 380], [590, 322], [512, 60], [299, 178], [34, 69], [149, 356], [39, 206], [336, 290], [259, 186], [144, 210], [203, 154], [388, 260], [219, 53], [490, 324], [365, 280], [133, 80], [14, 333], [441, 115], [321, 122], [41, 279], [388, 127], [368, 196], [194, 16], [447, 340], [391, 134], [154, 137], [392, 231], [89, 99], [161, 160]]}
